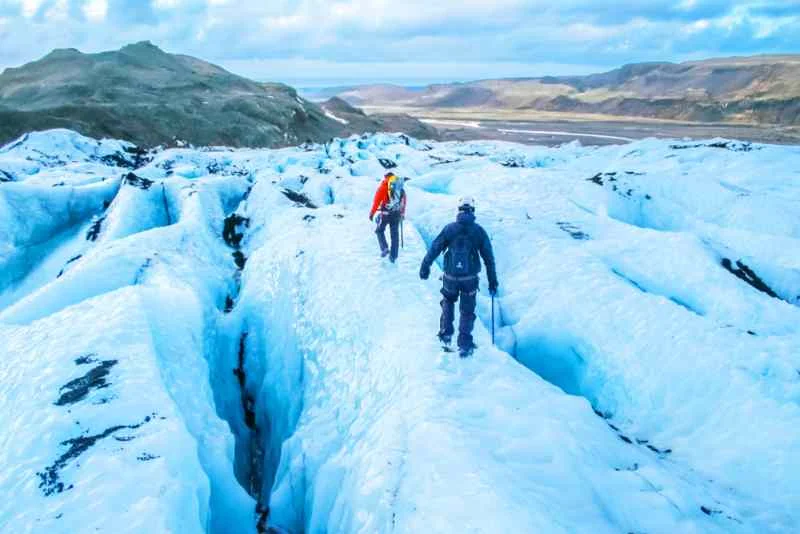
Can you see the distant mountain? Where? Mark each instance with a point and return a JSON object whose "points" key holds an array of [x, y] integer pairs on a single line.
{"points": [[759, 89], [149, 97], [355, 120]]}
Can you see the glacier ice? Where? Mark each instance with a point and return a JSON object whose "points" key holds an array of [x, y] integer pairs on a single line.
{"points": [[205, 340]]}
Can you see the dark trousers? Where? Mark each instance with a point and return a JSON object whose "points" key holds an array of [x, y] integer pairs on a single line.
{"points": [[464, 290], [392, 220]]}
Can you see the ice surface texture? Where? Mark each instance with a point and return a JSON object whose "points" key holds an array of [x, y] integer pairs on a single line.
{"points": [[206, 340]]}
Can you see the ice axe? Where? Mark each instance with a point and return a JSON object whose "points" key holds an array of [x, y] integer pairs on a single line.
{"points": [[402, 222], [492, 318]]}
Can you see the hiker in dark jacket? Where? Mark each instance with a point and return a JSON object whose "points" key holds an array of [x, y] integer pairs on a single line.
{"points": [[463, 240]]}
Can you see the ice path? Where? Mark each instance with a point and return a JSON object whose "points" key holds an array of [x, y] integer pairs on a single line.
{"points": [[448, 409], [383, 417]]}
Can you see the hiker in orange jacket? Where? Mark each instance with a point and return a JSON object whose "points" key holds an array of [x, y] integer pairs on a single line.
{"points": [[390, 205]]}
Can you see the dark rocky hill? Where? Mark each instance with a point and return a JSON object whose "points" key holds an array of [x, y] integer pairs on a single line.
{"points": [[147, 96]]}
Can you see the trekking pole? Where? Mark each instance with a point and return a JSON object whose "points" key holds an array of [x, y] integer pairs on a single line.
{"points": [[492, 319], [402, 241]]}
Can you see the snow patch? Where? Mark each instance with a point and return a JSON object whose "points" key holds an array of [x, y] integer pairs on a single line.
{"points": [[444, 122], [334, 117]]}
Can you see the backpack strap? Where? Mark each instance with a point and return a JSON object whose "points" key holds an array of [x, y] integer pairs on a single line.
{"points": [[460, 278]]}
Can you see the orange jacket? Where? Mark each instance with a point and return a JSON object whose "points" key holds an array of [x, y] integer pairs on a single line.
{"points": [[382, 199]]}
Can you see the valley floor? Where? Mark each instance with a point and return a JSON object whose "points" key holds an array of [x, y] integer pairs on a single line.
{"points": [[205, 340], [555, 128]]}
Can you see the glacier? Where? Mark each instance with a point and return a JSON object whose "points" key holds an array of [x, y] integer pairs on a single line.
{"points": [[205, 340]]}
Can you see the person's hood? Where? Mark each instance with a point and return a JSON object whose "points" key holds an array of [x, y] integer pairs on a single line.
{"points": [[465, 217]]}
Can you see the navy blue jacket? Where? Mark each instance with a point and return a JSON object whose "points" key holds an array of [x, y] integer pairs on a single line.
{"points": [[465, 222]]}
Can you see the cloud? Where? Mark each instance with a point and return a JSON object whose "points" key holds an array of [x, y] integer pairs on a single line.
{"points": [[131, 12], [354, 33], [789, 8], [95, 10]]}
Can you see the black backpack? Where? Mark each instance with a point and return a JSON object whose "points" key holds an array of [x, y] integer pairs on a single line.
{"points": [[461, 251]]}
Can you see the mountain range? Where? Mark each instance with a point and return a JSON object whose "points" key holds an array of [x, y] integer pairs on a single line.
{"points": [[758, 89], [150, 97]]}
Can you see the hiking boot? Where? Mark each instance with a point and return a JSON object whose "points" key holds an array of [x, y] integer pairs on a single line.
{"points": [[446, 342], [384, 252], [466, 352]]}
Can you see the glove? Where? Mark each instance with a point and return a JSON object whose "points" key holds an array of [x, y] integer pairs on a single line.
{"points": [[371, 215], [424, 272], [493, 290]]}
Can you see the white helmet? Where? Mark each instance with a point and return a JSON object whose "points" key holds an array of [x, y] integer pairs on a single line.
{"points": [[466, 203]]}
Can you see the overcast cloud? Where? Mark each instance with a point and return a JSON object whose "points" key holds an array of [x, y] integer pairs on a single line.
{"points": [[393, 40]]}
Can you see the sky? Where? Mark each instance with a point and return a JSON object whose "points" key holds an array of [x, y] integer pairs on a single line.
{"points": [[338, 42]]}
